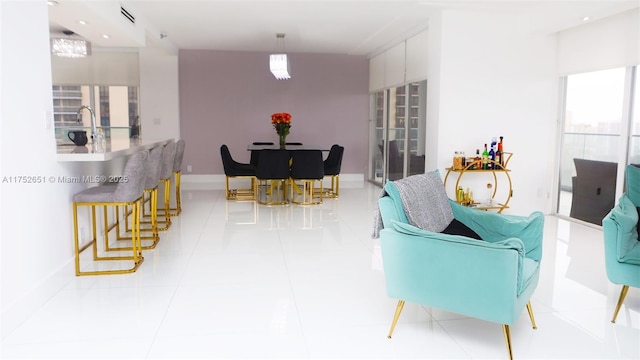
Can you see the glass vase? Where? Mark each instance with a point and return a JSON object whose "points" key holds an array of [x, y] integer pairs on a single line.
{"points": [[283, 141]]}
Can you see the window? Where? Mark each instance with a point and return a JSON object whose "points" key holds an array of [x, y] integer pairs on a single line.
{"points": [[596, 118], [115, 107]]}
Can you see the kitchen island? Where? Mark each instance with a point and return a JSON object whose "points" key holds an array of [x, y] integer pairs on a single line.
{"points": [[111, 149]]}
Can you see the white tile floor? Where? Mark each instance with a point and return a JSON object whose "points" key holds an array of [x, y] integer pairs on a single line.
{"points": [[232, 280]]}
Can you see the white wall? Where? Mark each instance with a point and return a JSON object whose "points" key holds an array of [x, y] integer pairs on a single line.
{"points": [[604, 44], [489, 82], [36, 223], [36, 230], [404, 62], [115, 67], [159, 94]]}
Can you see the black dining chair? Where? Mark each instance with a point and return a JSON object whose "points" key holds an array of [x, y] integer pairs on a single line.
{"points": [[235, 170], [272, 175], [293, 143], [307, 168], [332, 165]]}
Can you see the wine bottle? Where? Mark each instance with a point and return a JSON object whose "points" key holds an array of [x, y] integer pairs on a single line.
{"points": [[499, 156], [485, 158], [501, 149]]}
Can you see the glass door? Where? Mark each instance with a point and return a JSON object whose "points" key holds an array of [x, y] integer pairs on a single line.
{"points": [[634, 142], [594, 141], [376, 144], [398, 132], [397, 121]]}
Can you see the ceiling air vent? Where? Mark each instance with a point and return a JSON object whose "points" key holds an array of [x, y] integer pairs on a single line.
{"points": [[127, 15]]}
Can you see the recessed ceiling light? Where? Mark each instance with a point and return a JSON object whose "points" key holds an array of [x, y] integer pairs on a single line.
{"points": [[105, 36], [52, 2], [82, 22], [586, 18]]}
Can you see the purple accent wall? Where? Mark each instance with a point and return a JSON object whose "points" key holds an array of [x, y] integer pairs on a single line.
{"points": [[227, 97]]}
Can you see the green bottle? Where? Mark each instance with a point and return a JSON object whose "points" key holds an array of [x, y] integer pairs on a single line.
{"points": [[485, 158]]}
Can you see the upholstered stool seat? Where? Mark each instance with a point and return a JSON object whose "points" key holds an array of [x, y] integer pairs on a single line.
{"points": [[177, 173], [166, 171], [152, 177], [126, 193]]}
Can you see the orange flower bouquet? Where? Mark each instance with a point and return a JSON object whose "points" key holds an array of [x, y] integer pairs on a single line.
{"points": [[282, 123]]}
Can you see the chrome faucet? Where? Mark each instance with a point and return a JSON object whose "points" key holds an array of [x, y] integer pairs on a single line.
{"points": [[94, 127]]}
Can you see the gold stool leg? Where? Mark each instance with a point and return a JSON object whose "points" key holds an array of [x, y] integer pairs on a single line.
{"points": [[396, 316], [167, 215], [623, 294], [530, 310], [178, 208], [94, 232], [76, 238], [155, 236], [507, 339]]}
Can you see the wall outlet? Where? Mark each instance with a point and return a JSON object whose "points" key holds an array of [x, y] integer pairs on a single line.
{"points": [[189, 168]]}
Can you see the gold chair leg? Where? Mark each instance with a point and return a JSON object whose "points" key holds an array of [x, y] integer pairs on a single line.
{"points": [[623, 294], [533, 320], [396, 316], [507, 339]]}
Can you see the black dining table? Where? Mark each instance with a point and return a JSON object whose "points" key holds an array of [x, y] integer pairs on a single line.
{"points": [[254, 146]]}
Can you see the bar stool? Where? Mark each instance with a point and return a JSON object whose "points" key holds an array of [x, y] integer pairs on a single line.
{"points": [[166, 171], [177, 172], [152, 172], [125, 193]]}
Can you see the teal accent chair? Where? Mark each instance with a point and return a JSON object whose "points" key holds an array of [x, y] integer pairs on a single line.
{"points": [[621, 245], [491, 280]]}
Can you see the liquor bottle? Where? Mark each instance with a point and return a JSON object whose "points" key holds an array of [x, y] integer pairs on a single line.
{"points": [[485, 158], [477, 161], [499, 156], [492, 156]]}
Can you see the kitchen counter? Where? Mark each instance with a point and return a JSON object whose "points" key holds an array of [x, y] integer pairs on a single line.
{"points": [[112, 149]]}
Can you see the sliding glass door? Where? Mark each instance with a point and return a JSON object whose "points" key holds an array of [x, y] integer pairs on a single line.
{"points": [[397, 132], [598, 135]]}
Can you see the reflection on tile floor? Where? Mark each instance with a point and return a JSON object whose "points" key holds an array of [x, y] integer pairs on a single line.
{"points": [[237, 280]]}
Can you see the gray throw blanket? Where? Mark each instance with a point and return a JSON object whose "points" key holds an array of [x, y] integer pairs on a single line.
{"points": [[424, 200]]}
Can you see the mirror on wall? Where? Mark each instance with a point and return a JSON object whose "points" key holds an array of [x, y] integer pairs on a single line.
{"points": [[115, 107]]}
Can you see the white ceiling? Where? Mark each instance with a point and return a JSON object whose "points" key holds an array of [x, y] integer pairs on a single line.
{"points": [[359, 27]]}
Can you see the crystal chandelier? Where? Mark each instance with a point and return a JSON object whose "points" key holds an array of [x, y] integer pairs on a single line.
{"points": [[72, 48], [279, 64]]}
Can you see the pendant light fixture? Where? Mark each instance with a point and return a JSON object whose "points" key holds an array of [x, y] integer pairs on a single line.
{"points": [[70, 47], [279, 63]]}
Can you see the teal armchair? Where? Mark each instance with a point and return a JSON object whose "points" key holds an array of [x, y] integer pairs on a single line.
{"points": [[491, 280], [621, 245]]}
